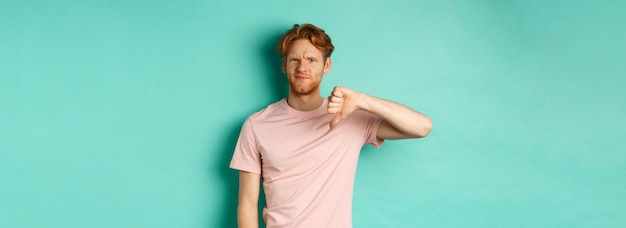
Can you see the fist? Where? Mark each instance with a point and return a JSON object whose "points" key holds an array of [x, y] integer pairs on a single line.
{"points": [[342, 102]]}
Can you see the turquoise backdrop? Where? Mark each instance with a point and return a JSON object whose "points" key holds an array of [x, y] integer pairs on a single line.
{"points": [[125, 113]]}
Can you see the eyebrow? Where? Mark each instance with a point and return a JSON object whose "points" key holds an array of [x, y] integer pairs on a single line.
{"points": [[305, 57]]}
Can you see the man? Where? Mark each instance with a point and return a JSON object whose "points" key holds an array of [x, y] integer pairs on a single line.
{"points": [[306, 147]]}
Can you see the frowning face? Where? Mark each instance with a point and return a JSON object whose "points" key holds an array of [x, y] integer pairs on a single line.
{"points": [[305, 65]]}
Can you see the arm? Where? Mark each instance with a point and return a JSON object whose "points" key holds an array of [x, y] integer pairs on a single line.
{"points": [[400, 122], [247, 210]]}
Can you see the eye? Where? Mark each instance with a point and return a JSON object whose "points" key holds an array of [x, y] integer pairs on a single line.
{"points": [[293, 60], [312, 60]]}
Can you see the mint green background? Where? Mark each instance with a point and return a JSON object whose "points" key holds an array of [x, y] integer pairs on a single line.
{"points": [[125, 113]]}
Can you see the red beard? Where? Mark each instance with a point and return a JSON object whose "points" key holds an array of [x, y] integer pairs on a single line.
{"points": [[304, 87]]}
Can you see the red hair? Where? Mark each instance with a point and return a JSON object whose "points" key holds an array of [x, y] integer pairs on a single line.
{"points": [[310, 32]]}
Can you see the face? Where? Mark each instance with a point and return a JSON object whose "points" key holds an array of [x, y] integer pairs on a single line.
{"points": [[305, 65]]}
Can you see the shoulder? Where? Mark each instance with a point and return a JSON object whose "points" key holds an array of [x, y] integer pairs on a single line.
{"points": [[359, 120], [360, 115], [265, 113]]}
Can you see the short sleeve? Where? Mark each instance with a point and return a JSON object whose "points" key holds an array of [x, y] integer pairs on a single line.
{"points": [[371, 123], [246, 156], [373, 137]]}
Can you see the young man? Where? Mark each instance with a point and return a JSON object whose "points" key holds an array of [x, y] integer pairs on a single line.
{"points": [[306, 147]]}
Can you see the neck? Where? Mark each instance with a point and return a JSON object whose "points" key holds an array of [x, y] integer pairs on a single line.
{"points": [[305, 102]]}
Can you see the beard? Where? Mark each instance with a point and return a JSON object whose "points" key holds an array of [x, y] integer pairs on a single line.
{"points": [[302, 88]]}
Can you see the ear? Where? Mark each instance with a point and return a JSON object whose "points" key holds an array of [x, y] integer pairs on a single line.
{"points": [[284, 63], [327, 65]]}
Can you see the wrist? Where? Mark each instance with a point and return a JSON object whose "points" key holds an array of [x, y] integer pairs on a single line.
{"points": [[363, 102]]}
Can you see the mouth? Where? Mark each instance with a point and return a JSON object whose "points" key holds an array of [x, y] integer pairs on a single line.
{"points": [[301, 77]]}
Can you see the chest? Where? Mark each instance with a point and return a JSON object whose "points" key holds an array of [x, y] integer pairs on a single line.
{"points": [[307, 145]]}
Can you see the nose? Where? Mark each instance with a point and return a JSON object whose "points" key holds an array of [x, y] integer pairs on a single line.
{"points": [[300, 67]]}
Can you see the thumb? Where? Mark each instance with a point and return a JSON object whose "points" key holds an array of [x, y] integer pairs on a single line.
{"points": [[335, 120]]}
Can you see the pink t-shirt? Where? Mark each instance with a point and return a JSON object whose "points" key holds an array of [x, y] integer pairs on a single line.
{"points": [[308, 169]]}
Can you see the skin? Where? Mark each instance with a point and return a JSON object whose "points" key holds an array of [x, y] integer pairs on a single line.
{"points": [[305, 67]]}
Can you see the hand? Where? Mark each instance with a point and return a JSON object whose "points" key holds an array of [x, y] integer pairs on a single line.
{"points": [[342, 102]]}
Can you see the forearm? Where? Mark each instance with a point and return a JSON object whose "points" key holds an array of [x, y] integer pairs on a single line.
{"points": [[409, 122], [247, 216], [247, 209]]}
